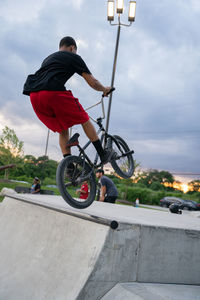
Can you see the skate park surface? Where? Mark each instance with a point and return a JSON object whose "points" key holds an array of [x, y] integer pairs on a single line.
{"points": [[50, 250]]}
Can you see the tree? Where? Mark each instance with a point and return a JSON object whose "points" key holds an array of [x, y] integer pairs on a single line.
{"points": [[151, 176], [45, 167], [195, 185], [10, 142], [127, 182], [156, 186], [11, 148], [30, 166]]}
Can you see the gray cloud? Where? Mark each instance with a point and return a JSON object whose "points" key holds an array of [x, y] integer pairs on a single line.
{"points": [[155, 105]]}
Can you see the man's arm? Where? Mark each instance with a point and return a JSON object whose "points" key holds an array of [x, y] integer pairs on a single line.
{"points": [[103, 192], [95, 84], [83, 191], [37, 189]]}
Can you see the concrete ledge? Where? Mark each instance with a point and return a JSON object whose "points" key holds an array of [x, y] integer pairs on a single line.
{"points": [[67, 257], [169, 256], [149, 291], [136, 253]]}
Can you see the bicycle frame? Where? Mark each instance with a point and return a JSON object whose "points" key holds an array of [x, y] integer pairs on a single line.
{"points": [[102, 106], [104, 137], [82, 149]]}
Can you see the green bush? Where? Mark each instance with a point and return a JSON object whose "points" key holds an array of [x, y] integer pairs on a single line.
{"points": [[149, 196], [24, 178], [49, 181], [156, 186], [144, 195]]}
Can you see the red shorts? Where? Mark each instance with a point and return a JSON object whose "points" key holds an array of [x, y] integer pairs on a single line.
{"points": [[58, 110]]}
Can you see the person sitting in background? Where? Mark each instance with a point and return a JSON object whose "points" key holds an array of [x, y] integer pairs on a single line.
{"points": [[35, 188], [83, 191]]}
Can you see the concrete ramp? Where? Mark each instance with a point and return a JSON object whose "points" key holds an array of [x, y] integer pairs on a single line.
{"points": [[52, 251], [45, 254]]}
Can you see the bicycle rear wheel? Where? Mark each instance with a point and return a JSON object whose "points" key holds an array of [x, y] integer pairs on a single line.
{"points": [[72, 173], [122, 163]]}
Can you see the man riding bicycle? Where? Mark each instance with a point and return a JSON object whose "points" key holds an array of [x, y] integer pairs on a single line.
{"points": [[55, 106]]}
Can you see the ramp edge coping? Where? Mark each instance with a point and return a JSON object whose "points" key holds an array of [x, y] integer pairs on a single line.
{"points": [[99, 220]]}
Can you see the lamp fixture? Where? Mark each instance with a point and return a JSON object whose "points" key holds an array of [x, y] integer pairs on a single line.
{"points": [[132, 9], [110, 10]]}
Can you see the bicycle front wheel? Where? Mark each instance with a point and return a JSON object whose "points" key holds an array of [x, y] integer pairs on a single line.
{"points": [[76, 182], [123, 162]]}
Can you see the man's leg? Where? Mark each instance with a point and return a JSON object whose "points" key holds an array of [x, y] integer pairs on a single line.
{"points": [[90, 131], [105, 155], [92, 135], [110, 199], [63, 139]]}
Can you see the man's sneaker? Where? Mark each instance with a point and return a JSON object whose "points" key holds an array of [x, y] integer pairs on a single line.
{"points": [[107, 157]]}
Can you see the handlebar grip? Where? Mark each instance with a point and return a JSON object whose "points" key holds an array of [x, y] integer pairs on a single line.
{"points": [[111, 90]]}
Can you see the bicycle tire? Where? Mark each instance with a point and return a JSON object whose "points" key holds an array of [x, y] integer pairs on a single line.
{"points": [[67, 184], [123, 166]]}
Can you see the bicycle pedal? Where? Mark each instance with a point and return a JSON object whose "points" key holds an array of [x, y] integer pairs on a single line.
{"points": [[73, 141]]}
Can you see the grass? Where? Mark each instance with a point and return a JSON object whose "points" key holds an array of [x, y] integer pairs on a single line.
{"points": [[13, 185], [10, 185], [147, 207], [123, 203]]}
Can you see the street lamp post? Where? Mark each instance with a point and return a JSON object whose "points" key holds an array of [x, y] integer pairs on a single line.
{"points": [[47, 142], [110, 16]]}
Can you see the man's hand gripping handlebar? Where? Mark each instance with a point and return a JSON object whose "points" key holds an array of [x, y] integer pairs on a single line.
{"points": [[108, 91]]}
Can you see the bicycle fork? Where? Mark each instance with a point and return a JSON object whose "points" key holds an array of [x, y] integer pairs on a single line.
{"points": [[109, 145]]}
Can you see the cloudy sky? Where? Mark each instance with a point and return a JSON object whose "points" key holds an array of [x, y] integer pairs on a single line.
{"points": [[156, 105]]}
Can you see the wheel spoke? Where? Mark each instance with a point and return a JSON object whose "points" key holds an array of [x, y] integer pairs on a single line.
{"points": [[122, 162]]}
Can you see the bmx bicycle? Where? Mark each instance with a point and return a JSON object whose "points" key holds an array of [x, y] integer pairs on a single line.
{"points": [[73, 170]]}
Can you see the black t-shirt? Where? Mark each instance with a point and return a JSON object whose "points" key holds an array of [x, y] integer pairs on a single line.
{"points": [[37, 187], [55, 70]]}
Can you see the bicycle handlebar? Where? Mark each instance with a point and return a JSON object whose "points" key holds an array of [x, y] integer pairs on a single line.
{"points": [[100, 102], [111, 90]]}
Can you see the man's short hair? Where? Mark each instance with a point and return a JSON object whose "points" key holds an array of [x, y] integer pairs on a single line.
{"points": [[67, 41], [100, 171]]}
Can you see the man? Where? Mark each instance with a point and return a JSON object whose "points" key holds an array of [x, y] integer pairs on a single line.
{"points": [[55, 106], [108, 189]]}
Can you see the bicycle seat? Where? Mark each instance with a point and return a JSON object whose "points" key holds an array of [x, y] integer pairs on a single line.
{"points": [[73, 141]]}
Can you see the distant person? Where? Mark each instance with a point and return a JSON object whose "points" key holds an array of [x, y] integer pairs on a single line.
{"points": [[84, 191], [108, 189], [137, 202], [55, 106], [36, 187]]}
